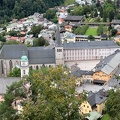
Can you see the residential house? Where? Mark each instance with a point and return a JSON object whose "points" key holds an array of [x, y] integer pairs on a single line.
{"points": [[115, 22], [107, 68], [74, 19], [68, 28], [95, 102]]}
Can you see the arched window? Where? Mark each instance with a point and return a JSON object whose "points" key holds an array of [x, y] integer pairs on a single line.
{"points": [[2, 68], [31, 68], [10, 65], [37, 67]]}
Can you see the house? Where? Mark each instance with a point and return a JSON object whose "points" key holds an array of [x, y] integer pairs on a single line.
{"points": [[107, 68], [68, 28], [68, 37], [85, 38], [74, 18], [95, 102], [61, 17], [115, 22], [81, 76]]}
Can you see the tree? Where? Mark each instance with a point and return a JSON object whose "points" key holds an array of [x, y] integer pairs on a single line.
{"points": [[113, 104], [111, 15], [35, 30], [114, 32], [77, 31], [91, 38], [52, 92], [40, 42], [15, 72]]}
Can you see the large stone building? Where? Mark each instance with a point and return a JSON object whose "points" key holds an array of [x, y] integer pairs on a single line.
{"points": [[10, 55]]}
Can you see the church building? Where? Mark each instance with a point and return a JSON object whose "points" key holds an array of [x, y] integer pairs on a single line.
{"points": [[35, 57]]}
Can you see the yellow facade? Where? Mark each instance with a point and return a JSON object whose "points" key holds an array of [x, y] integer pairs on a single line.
{"points": [[100, 107], [85, 108], [101, 76]]}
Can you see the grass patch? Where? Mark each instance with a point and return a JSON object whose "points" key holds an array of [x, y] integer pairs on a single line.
{"points": [[68, 2], [91, 31], [106, 117]]}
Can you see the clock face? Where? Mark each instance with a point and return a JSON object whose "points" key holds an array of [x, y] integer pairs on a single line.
{"points": [[24, 63]]}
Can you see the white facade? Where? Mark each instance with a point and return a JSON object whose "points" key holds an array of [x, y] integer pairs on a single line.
{"points": [[87, 54], [24, 66], [59, 55]]}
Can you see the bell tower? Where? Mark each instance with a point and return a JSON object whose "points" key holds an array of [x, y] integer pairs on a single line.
{"points": [[24, 65], [59, 57]]}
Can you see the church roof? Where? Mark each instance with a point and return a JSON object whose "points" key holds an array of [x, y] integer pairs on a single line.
{"points": [[13, 51], [38, 55], [90, 44]]}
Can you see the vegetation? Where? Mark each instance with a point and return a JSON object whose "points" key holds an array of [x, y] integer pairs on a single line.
{"points": [[51, 91], [113, 105], [84, 29], [15, 72], [77, 31], [10, 9], [100, 30], [35, 30], [91, 31], [106, 117], [91, 38], [50, 14], [40, 42]]}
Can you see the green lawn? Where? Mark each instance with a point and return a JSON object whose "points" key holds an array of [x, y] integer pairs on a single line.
{"points": [[106, 117], [68, 2], [91, 31]]}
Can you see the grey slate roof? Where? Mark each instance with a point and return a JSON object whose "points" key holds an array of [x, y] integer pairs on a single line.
{"points": [[38, 55], [58, 38], [4, 82], [109, 64], [72, 18], [13, 51], [78, 73], [98, 97], [90, 44], [115, 21]]}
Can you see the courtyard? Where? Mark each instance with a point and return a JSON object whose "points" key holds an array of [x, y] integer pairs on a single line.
{"points": [[84, 65]]}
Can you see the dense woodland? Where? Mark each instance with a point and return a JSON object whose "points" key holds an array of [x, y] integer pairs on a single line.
{"points": [[22, 8]]}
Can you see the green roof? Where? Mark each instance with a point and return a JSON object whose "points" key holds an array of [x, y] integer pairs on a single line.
{"points": [[24, 58], [94, 115]]}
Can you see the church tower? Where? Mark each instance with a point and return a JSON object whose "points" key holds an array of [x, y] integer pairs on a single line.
{"points": [[24, 66], [59, 57]]}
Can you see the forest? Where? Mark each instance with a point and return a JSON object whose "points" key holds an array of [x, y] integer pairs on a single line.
{"points": [[10, 9]]}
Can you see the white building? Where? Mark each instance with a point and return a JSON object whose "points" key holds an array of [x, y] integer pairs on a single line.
{"points": [[10, 55]]}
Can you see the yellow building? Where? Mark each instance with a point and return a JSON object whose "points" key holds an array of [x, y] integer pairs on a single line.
{"points": [[106, 68], [95, 102]]}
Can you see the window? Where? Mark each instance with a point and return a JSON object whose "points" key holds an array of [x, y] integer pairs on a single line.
{"points": [[10, 65], [2, 67], [37, 67], [59, 50], [23, 71], [87, 106]]}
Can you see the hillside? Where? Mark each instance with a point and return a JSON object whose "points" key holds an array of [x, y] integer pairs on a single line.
{"points": [[10, 9]]}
